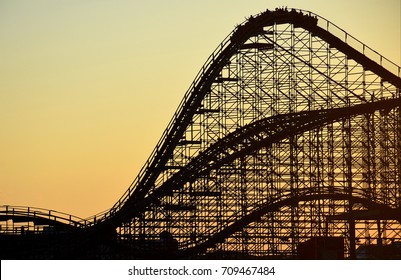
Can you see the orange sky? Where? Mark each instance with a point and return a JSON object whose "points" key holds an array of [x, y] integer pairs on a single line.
{"points": [[87, 87]]}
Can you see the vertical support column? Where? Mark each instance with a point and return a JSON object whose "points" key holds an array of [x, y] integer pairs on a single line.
{"points": [[398, 162], [348, 181], [243, 201], [351, 228], [293, 145], [352, 244]]}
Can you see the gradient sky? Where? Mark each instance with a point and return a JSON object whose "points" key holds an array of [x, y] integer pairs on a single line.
{"points": [[87, 87]]}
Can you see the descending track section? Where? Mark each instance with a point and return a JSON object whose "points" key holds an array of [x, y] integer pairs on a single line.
{"points": [[276, 70], [290, 131], [287, 199], [263, 133], [272, 55]]}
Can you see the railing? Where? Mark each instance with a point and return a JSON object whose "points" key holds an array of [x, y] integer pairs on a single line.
{"points": [[322, 22], [8, 212], [356, 44]]}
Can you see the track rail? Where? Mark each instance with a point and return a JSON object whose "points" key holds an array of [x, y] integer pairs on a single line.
{"points": [[252, 137], [141, 187], [317, 25], [289, 199], [40, 216], [156, 187]]}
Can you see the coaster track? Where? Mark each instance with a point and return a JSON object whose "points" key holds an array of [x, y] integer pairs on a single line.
{"points": [[291, 125]]}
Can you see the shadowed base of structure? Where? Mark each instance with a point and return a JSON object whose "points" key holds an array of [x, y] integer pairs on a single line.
{"points": [[75, 246]]}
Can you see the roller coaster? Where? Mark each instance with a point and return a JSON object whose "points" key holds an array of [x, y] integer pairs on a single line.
{"points": [[287, 145]]}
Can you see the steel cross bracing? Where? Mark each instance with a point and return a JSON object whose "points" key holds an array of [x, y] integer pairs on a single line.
{"points": [[291, 130]]}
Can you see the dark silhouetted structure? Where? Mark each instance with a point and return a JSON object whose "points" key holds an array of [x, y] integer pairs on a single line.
{"points": [[287, 145]]}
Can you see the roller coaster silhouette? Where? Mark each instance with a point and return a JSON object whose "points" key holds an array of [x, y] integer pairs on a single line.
{"points": [[287, 145]]}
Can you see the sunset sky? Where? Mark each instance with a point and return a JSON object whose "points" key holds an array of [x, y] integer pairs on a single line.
{"points": [[88, 86]]}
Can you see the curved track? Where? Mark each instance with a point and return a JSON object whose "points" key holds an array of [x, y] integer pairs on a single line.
{"points": [[252, 137], [41, 216], [291, 120], [288, 199], [211, 72]]}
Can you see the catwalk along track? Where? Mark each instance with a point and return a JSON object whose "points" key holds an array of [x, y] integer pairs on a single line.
{"points": [[287, 145]]}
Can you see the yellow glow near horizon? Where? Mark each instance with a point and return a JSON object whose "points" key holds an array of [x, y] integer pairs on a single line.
{"points": [[87, 87]]}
